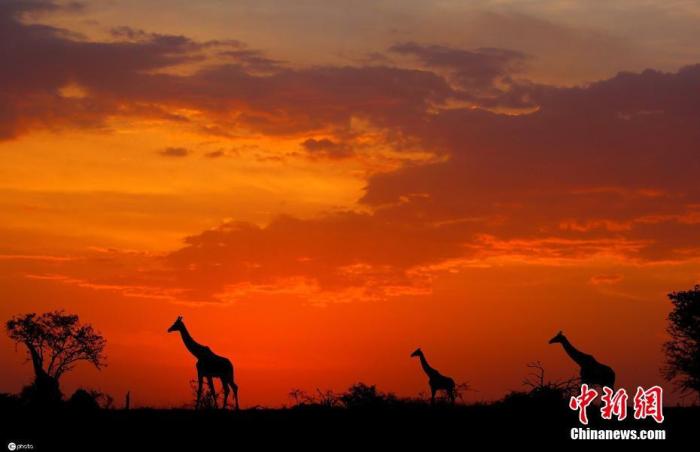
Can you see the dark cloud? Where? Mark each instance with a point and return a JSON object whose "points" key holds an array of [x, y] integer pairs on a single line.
{"points": [[253, 60], [327, 148], [617, 156], [607, 170], [295, 101], [127, 76], [336, 251], [481, 73], [474, 67], [174, 152], [38, 60], [214, 154], [15, 8], [633, 131]]}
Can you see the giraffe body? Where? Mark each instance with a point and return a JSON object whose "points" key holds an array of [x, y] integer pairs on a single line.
{"points": [[209, 365]]}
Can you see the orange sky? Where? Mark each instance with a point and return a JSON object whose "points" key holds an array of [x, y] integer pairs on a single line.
{"points": [[319, 190]]}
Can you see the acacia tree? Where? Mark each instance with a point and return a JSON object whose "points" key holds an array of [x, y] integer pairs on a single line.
{"points": [[56, 342], [683, 350]]}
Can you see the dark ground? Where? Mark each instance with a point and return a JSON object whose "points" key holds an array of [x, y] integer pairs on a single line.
{"points": [[405, 425]]}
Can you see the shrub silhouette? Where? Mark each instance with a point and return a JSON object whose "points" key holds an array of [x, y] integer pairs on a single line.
{"points": [[83, 401], [41, 396], [361, 395], [322, 399], [301, 397]]}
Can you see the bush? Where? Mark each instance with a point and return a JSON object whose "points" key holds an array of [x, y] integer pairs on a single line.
{"points": [[83, 400], [40, 396], [361, 395]]}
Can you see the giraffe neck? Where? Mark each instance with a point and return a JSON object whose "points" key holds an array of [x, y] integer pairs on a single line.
{"points": [[573, 352], [191, 345], [429, 371]]}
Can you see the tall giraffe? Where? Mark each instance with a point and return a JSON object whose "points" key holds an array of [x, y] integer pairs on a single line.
{"points": [[209, 365], [592, 372], [436, 380]]}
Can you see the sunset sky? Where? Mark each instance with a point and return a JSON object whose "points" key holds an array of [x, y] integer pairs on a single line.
{"points": [[321, 186]]}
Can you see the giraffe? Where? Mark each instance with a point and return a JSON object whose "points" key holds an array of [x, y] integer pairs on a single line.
{"points": [[436, 380], [209, 365], [592, 372]]}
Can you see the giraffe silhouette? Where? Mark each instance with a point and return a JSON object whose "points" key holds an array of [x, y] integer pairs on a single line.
{"points": [[592, 372], [209, 365], [436, 380]]}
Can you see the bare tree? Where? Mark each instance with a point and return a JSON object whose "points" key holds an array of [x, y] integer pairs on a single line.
{"points": [[537, 383]]}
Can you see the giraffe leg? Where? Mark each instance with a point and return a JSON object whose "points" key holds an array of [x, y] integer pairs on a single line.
{"points": [[234, 387], [224, 384], [210, 382], [432, 395], [199, 391]]}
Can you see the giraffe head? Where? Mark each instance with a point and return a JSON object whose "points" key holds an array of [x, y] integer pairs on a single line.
{"points": [[418, 352], [177, 326], [558, 338]]}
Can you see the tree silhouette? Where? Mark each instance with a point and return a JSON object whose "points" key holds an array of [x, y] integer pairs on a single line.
{"points": [[683, 350], [56, 342]]}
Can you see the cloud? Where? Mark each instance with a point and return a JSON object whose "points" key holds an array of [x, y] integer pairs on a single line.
{"points": [[126, 76], [337, 251], [583, 178], [326, 148], [230, 86], [610, 160], [174, 152], [43, 59], [580, 138], [477, 70], [606, 279], [215, 154], [575, 181], [604, 170], [253, 60], [484, 77]]}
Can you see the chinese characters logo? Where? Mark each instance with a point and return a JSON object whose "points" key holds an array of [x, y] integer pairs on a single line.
{"points": [[646, 403]]}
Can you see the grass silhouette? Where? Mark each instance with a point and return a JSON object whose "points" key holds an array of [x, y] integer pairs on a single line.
{"points": [[360, 416]]}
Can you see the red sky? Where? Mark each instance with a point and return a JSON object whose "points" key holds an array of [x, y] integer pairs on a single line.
{"points": [[319, 190]]}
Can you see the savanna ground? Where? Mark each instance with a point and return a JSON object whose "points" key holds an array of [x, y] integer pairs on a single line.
{"points": [[369, 419]]}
